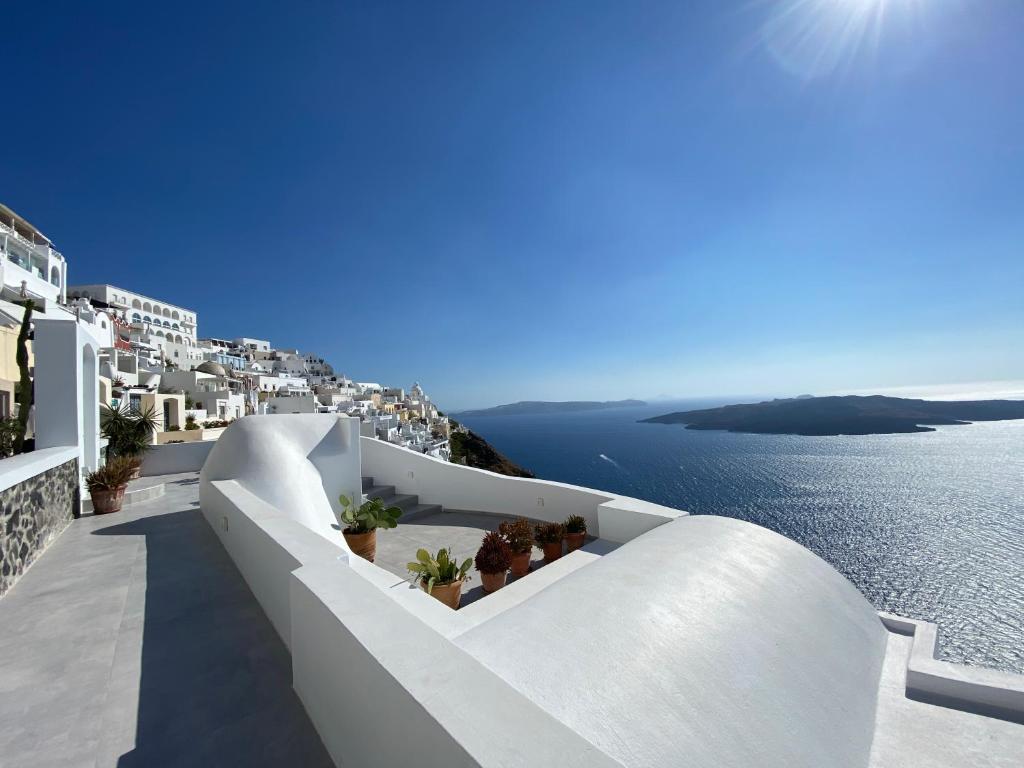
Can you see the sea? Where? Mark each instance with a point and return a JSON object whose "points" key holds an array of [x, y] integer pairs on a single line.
{"points": [[927, 525]]}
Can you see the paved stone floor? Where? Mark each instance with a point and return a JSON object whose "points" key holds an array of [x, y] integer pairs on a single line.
{"points": [[133, 641]]}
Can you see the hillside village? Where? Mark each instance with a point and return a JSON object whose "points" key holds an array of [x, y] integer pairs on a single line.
{"points": [[150, 356]]}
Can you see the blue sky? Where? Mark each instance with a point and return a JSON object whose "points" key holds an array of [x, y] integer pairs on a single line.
{"points": [[546, 200]]}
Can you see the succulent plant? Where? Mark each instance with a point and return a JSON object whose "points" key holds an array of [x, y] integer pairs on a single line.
{"points": [[575, 524], [548, 533], [494, 555], [368, 516], [518, 534], [438, 570], [112, 475]]}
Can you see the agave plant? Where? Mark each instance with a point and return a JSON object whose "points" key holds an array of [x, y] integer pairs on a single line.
{"points": [[368, 516], [438, 570]]}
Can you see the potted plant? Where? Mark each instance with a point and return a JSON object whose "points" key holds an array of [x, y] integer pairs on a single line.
{"points": [[107, 485], [362, 523], [519, 537], [493, 560], [549, 537], [575, 532], [128, 431], [440, 576]]}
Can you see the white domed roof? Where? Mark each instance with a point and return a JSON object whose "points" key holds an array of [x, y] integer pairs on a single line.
{"points": [[213, 368], [704, 642]]}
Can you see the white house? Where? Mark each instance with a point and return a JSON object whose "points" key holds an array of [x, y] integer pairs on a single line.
{"points": [[253, 345], [30, 267]]}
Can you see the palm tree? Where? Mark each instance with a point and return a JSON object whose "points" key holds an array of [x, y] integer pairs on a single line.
{"points": [[128, 430]]}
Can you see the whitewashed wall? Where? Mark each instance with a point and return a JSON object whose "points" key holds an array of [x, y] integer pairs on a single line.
{"points": [[615, 518]]}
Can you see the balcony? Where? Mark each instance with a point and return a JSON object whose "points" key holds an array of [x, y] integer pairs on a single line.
{"points": [[18, 270]]}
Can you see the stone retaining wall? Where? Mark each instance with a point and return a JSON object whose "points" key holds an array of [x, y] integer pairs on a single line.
{"points": [[32, 513]]}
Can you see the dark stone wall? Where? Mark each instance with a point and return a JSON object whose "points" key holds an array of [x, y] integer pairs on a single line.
{"points": [[32, 513]]}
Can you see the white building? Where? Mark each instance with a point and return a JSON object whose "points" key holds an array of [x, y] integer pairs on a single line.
{"points": [[30, 267], [146, 315], [253, 345]]}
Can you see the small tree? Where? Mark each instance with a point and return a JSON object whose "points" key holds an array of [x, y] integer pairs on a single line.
{"points": [[24, 379]]}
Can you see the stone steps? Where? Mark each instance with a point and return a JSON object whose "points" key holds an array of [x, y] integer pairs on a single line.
{"points": [[408, 503]]}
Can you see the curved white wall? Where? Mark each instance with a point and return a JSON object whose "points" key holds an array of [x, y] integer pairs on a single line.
{"points": [[708, 642], [453, 486], [299, 464]]}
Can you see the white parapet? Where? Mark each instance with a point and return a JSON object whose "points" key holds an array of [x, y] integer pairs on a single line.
{"points": [[454, 486]]}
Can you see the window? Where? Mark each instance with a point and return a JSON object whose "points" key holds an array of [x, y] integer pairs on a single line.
{"points": [[55, 276], [5, 404], [136, 317]]}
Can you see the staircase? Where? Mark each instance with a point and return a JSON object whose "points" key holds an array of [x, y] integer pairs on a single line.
{"points": [[408, 503]]}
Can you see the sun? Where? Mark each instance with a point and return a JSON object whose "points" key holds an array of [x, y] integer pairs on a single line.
{"points": [[813, 38]]}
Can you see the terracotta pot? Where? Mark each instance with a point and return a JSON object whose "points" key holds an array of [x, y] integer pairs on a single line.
{"points": [[362, 544], [552, 551], [449, 594], [574, 541], [105, 502], [492, 582], [521, 563]]}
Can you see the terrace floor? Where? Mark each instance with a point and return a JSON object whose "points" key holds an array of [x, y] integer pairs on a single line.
{"points": [[134, 641]]}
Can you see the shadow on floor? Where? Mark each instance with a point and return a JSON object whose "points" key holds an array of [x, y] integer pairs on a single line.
{"points": [[215, 687]]}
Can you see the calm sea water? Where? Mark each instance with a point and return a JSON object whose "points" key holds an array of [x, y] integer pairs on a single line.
{"points": [[928, 526]]}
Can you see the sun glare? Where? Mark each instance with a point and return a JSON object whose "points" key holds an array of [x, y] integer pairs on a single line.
{"points": [[813, 38]]}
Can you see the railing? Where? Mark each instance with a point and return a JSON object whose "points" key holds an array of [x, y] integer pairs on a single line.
{"points": [[12, 232]]}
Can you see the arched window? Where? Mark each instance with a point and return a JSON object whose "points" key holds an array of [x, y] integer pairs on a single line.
{"points": [[175, 327], [156, 309], [147, 319], [174, 315], [55, 276], [136, 304], [147, 307], [159, 333], [177, 337], [136, 317], [166, 312]]}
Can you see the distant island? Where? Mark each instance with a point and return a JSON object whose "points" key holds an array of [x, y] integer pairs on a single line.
{"points": [[543, 406], [850, 415]]}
